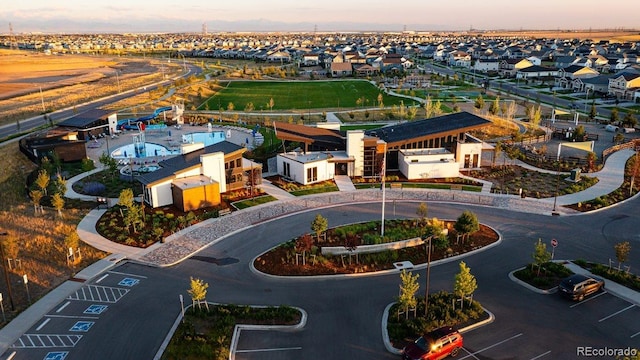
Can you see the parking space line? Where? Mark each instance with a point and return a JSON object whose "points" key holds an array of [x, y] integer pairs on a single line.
{"points": [[541, 355], [616, 313], [636, 334], [72, 317], [470, 354], [494, 345], [127, 274], [63, 306], [101, 278], [588, 299], [272, 349], [43, 324]]}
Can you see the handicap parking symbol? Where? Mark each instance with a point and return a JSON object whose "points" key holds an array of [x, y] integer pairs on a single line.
{"points": [[95, 309], [128, 282], [57, 355], [82, 326]]}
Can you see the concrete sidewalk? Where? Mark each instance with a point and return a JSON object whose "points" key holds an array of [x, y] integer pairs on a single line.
{"points": [[610, 286]]}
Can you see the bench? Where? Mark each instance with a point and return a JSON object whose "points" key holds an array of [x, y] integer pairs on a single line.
{"points": [[395, 185], [224, 212]]}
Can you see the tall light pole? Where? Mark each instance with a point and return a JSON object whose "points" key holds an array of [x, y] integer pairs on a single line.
{"points": [[6, 273], [384, 188], [426, 295], [42, 100], [118, 80]]}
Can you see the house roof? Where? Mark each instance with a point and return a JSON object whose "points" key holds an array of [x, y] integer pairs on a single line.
{"points": [[175, 164], [341, 66], [537, 68], [308, 134], [414, 129], [87, 119]]}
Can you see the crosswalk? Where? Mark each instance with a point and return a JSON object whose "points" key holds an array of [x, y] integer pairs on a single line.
{"points": [[99, 293], [46, 341]]}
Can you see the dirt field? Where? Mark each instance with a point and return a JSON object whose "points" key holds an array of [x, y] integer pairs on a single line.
{"points": [[596, 35], [32, 83]]}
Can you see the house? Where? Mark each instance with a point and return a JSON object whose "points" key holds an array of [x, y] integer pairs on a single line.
{"points": [[486, 65], [567, 76], [509, 67], [536, 72], [624, 85], [341, 69], [198, 178], [279, 56], [459, 58], [62, 142], [598, 84]]}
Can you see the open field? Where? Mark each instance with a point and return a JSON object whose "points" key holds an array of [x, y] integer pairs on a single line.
{"points": [[596, 35], [300, 95], [37, 241], [33, 83]]}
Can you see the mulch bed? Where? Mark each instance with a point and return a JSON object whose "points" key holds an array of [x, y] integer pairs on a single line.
{"points": [[278, 262]]}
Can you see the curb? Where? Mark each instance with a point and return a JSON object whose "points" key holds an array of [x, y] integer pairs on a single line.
{"points": [[531, 287], [396, 351]]}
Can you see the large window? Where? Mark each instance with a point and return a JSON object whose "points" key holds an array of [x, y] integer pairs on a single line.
{"points": [[312, 174]]}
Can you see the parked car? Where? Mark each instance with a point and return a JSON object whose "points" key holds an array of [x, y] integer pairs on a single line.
{"points": [[578, 286], [438, 344]]}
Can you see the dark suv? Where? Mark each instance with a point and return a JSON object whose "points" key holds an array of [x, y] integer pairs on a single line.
{"points": [[437, 344], [577, 287]]}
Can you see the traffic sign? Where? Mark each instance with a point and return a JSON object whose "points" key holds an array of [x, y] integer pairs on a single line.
{"points": [[554, 242]]}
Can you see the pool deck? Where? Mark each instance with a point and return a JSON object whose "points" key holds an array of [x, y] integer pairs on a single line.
{"points": [[170, 137]]}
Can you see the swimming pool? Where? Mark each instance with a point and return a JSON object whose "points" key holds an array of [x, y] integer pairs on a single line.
{"points": [[208, 138], [150, 149]]}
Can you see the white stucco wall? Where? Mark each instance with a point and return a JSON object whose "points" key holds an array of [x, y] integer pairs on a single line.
{"points": [[427, 164], [161, 194], [470, 148], [213, 167], [298, 165], [355, 149]]}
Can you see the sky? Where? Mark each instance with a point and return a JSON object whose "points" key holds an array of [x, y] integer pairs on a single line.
{"points": [[117, 16]]}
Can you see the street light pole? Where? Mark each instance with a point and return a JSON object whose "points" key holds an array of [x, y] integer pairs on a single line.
{"points": [[426, 295], [6, 273]]}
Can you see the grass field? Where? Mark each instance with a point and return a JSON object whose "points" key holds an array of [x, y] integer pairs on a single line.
{"points": [[289, 95]]}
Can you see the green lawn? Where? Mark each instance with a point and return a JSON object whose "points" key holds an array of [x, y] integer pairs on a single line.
{"points": [[315, 190], [290, 95], [253, 202]]}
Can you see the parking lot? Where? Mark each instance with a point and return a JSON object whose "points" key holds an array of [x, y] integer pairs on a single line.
{"points": [[56, 335], [557, 328]]}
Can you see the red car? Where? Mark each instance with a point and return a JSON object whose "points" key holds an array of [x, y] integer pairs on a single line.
{"points": [[438, 344]]}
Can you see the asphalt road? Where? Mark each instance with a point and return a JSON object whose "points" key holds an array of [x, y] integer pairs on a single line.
{"points": [[344, 314]]}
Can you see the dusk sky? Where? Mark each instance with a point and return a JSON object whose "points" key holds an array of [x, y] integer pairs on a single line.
{"points": [[296, 15]]}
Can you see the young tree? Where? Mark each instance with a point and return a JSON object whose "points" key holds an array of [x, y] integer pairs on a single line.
{"points": [[271, 103], [109, 163], [540, 255], [497, 150], [319, 225], [494, 109], [230, 106], [198, 292], [58, 203], [422, 211], [594, 111], [622, 252], [536, 116], [629, 120], [42, 181], [466, 224], [303, 245], [60, 184], [613, 118], [479, 102], [465, 283], [408, 288], [126, 198], [36, 197], [428, 107]]}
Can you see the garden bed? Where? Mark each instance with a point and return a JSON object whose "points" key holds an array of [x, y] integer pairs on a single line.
{"points": [[283, 261], [549, 276]]}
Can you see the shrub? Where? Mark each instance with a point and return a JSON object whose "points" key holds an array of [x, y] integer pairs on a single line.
{"points": [[94, 188]]}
